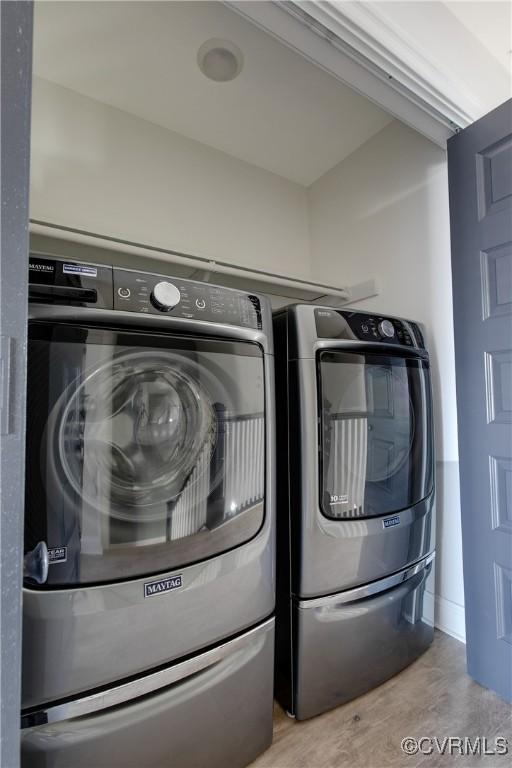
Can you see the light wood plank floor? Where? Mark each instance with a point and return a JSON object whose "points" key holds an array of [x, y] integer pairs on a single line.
{"points": [[433, 697]]}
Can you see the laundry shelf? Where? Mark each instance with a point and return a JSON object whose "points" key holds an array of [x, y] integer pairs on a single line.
{"points": [[56, 240]]}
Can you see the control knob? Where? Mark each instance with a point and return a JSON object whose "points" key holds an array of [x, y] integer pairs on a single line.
{"points": [[165, 296], [387, 329]]}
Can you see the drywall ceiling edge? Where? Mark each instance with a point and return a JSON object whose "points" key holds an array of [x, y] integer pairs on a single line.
{"points": [[338, 37]]}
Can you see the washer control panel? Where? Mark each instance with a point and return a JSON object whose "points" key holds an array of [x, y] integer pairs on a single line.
{"points": [[362, 326], [158, 294], [72, 283]]}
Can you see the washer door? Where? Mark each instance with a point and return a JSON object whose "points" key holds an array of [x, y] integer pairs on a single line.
{"points": [[145, 453]]}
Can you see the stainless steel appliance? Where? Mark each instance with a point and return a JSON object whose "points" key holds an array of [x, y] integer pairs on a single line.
{"points": [[355, 515], [149, 531]]}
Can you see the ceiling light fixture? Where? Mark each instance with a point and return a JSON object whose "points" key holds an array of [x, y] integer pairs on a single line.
{"points": [[220, 60]]}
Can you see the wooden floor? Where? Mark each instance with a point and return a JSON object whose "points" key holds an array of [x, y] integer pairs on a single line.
{"points": [[433, 697]]}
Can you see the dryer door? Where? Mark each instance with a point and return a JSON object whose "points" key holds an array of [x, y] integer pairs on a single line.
{"points": [[376, 439], [145, 452]]}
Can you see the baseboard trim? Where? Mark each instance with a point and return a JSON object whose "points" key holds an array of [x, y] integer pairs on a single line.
{"points": [[450, 618]]}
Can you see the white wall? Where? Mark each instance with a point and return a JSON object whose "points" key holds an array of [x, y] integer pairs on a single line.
{"points": [[383, 212], [99, 169]]}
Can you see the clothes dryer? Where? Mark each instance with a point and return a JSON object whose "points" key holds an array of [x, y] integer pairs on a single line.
{"points": [[355, 502]]}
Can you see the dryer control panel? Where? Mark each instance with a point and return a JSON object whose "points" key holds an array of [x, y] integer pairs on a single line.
{"points": [[159, 294], [363, 326]]}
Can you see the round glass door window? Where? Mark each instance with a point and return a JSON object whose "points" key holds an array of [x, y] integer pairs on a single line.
{"points": [[131, 434]]}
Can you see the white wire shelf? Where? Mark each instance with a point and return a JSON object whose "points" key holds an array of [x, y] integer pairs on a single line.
{"points": [[56, 239]]}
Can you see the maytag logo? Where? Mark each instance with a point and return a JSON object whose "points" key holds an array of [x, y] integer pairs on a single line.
{"points": [[388, 522], [38, 267], [153, 588], [57, 555]]}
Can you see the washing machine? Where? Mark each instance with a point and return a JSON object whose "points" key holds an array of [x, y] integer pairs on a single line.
{"points": [[355, 504], [148, 603]]}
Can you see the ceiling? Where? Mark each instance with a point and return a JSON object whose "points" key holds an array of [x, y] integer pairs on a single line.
{"points": [[282, 113], [490, 22]]}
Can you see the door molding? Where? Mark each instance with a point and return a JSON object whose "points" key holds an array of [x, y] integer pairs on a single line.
{"points": [[16, 68], [359, 45]]}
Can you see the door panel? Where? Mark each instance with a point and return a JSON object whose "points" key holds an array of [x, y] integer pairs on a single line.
{"points": [[480, 176], [16, 80], [330, 555]]}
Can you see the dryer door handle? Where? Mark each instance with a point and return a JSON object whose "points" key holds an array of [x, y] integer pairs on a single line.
{"points": [[36, 562]]}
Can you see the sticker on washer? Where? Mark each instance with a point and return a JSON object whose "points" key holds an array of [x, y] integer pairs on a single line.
{"points": [[339, 499], [152, 588], [388, 522], [79, 269], [57, 555]]}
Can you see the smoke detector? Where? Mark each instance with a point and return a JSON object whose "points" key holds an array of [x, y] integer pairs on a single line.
{"points": [[220, 60]]}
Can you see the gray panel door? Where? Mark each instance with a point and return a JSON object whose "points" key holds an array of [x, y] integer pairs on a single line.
{"points": [[480, 177], [16, 73]]}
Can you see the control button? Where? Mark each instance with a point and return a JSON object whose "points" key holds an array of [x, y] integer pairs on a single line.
{"points": [[124, 293], [200, 303], [165, 296], [387, 328]]}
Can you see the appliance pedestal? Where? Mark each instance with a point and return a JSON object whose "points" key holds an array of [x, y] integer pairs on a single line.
{"points": [[347, 644], [212, 709]]}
